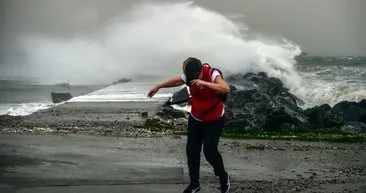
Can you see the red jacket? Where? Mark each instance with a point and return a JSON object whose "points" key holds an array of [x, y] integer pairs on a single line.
{"points": [[203, 100]]}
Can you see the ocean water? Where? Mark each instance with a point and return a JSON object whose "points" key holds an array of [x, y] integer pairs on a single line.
{"points": [[20, 98], [139, 45], [324, 79], [332, 79], [23, 97]]}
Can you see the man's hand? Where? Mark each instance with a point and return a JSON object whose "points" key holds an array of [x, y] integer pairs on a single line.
{"points": [[153, 91], [199, 82]]}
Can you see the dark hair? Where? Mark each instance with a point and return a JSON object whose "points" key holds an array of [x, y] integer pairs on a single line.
{"points": [[192, 69]]}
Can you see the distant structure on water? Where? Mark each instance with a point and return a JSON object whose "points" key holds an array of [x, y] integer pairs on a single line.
{"points": [[64, 84], [122, 80]]}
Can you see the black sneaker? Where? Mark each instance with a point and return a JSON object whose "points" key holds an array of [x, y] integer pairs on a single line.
{"points": [[192, 188], [225, 183]]}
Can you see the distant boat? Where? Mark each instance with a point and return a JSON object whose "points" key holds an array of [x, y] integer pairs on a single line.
{"points": [[63, 84], [122, 80]]}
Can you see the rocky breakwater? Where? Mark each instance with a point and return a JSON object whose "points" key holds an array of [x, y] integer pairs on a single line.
{"points": [[260, 102]]}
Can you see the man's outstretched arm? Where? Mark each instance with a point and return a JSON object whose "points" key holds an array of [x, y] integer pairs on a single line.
{"points": [[173, 82]]}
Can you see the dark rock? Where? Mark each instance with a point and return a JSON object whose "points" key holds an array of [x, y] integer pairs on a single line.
{"points": [[362, 104], [171, 113], [283, 115], [144, 114], [238, 99], [343, 105], [180, 96], [287, 127], [255, 97], [350, 111], [332, 119], [262, 74], [60, 97], [316, 115], [362, 119], [348, 115], [258, 101]]}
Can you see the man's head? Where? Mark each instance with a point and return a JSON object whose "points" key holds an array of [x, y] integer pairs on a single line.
{"points": [[192, 68]]}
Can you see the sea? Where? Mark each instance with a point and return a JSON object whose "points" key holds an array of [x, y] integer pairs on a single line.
{"points": [[326, 80], [20, 98]]}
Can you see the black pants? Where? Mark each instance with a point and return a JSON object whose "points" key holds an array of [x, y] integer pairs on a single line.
{"points": [[209, 134]]}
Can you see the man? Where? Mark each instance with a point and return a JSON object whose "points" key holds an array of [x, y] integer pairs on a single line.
{"points": [[206, 120]]}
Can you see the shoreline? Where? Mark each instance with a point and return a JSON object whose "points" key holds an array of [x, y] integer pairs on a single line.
{"points": [[128, 119], [90, 118]]}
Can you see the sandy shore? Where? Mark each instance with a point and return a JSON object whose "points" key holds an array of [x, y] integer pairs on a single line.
{"points": [[62, 147]]}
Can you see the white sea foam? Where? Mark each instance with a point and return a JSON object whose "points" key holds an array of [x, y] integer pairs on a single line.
{"points": [[23, 109]]}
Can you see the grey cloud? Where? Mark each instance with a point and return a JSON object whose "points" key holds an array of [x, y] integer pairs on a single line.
{"points": [[327, 27]]}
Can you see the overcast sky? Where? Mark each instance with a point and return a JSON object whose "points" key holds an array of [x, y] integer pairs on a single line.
{"points": [[320, 27], [58, 34]]}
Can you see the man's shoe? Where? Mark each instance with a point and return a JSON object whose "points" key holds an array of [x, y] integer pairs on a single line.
{"points": [[225, 183], [192, 188]]}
